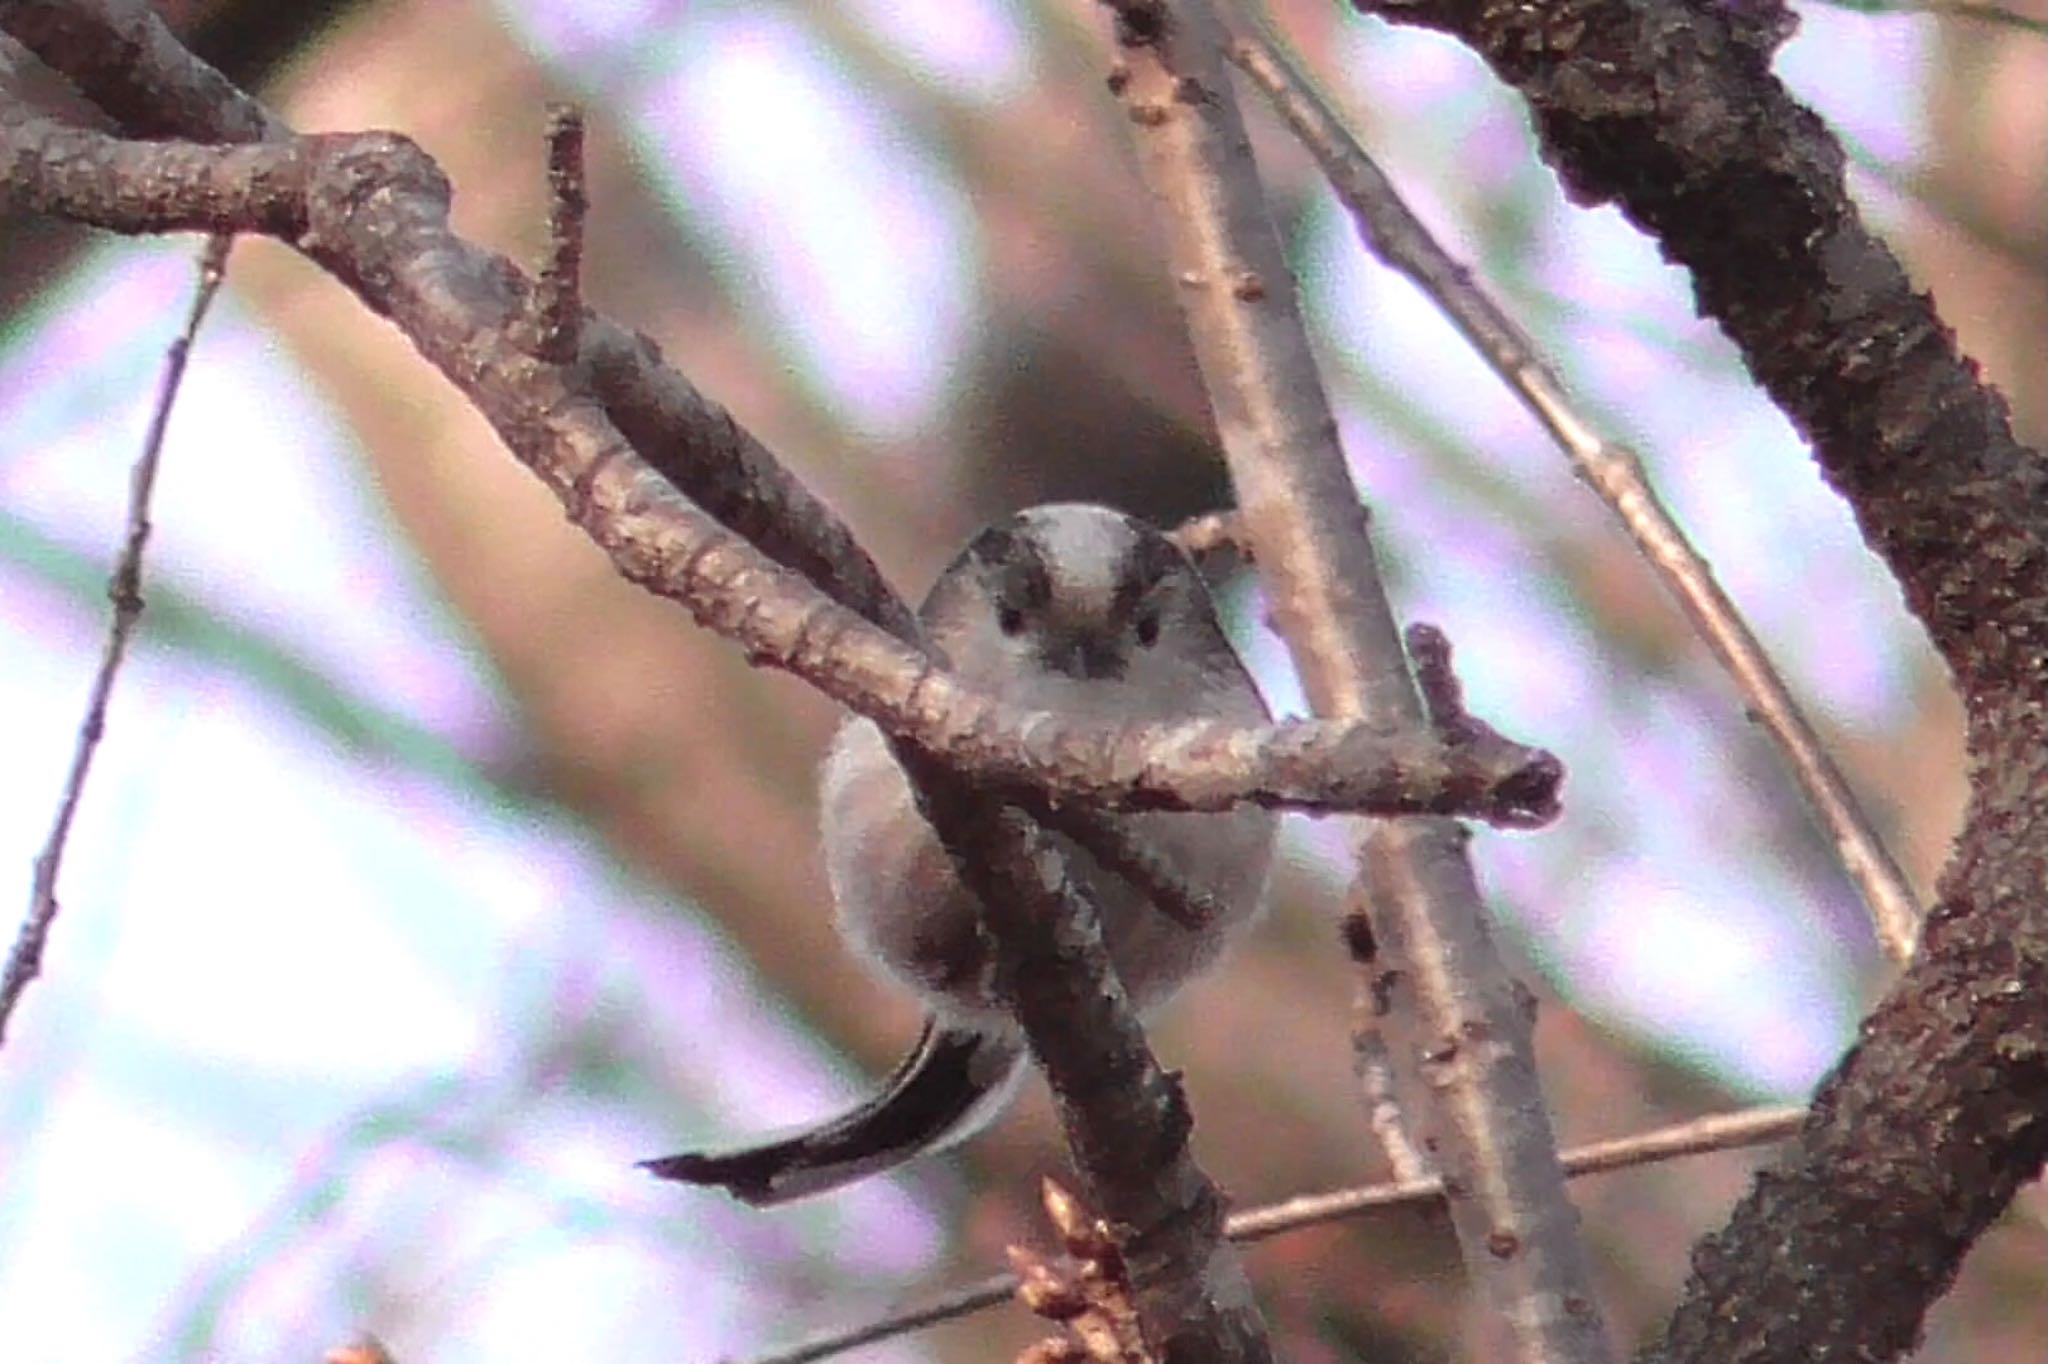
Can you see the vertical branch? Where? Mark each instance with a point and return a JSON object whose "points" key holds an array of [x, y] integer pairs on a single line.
{"points": [[1371, 1059], [558, 294], [1463, 1049], [25, 961]]}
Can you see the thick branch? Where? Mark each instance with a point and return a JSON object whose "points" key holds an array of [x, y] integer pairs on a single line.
{"points": [[1670, 111], [1920, 1137]]}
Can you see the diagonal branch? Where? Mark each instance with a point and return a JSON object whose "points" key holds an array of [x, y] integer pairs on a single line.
{"points": [[372, 208], [1393, 233], [121, 55], [1126, 1120]]}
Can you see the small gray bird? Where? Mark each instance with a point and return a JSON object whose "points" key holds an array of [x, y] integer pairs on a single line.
{"points": [[1099, 618]]}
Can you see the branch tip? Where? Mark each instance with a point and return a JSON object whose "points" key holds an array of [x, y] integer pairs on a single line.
{"points": [[558, 296]]}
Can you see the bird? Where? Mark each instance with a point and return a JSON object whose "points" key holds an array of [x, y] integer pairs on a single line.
{"points": [[1098, 617]]}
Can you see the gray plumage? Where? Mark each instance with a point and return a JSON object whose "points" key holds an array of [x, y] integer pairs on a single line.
{"points": [[1097, 617]]}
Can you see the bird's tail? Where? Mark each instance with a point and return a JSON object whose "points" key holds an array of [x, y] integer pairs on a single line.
{"points": [[950, 1085]]}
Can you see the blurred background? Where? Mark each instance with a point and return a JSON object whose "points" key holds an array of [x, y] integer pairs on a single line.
{"points": [[431, 876]]}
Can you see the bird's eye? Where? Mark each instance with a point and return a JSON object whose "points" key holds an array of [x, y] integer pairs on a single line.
{"points": [[1009, 620], [1147, 628]]}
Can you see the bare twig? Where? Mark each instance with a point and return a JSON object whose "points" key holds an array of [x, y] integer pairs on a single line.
{"points": [[559, 294], [1394, 234], [1698, 1136], [948, 1305], [1443, 696], [1463, 1052], [1717, 1132], [25, 961], [1122, 850]]}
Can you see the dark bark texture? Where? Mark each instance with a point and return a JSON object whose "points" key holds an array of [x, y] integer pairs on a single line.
{"points": [[1925, 1130]]}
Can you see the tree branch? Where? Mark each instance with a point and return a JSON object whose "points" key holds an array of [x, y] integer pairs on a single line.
{"points": [[1696, 1136], [1614, 472], [25, 958], [372, 211], [1922, 1134], [1127, 1120], [1462, 1047], [372, 208]]}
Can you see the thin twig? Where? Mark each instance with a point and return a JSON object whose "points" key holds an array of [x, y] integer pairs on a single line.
{"points": [[559, 293], [963, 1300], [1126, 853], [1394, 234], [25, 961], [1718, 1132], [1698, 1136]]}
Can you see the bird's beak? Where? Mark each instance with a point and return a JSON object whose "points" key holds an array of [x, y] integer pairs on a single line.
{"points": [[1085, 654]]}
